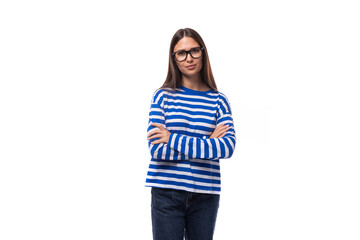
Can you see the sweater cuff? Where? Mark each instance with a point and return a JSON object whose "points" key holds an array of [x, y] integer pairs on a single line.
{"points": [[205, 137]]}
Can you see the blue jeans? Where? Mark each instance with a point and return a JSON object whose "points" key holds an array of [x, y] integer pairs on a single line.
{"points": [[177, 213]]}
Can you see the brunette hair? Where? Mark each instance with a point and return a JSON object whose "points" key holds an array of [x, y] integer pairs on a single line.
{"points": [[173, 79]]}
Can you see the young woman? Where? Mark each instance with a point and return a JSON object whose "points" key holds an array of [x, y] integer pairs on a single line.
{"points": [[190, 129]]}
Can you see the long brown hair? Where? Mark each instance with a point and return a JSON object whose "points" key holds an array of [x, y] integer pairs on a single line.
{"points": [[173, 79]]}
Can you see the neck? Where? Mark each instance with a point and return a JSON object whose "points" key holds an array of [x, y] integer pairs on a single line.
{"points": [[193, 82]]}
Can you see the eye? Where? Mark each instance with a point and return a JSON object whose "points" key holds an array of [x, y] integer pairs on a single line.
{"points": [[181, 53], [195, 50]]}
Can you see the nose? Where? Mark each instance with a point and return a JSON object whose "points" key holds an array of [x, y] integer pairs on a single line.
{"points": [[189, 57]]}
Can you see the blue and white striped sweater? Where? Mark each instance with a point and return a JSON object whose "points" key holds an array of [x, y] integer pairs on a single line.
{"points": [[190, 160]]}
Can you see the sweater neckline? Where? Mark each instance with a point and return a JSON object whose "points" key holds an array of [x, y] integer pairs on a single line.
{"points": [[194, 91]]}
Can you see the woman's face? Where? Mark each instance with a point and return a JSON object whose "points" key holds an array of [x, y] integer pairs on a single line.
{"points": [[187, 43]]}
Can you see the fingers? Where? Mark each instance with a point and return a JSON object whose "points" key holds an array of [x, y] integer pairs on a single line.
{"points": [[153, 132], [155, 142], [222, 126], [222, 134], [161, 139], [220, 130], [159, 134], [156, 136], [158, 125]]}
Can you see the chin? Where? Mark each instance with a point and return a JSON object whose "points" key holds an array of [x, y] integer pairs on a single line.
{"points": [[192, 72]]}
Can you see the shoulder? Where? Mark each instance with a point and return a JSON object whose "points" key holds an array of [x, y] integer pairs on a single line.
{"points": [[224, 101], [159, 94], [223, 97]]}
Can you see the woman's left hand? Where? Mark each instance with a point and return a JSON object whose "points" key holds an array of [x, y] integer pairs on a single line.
{"points": [[162, 134]]}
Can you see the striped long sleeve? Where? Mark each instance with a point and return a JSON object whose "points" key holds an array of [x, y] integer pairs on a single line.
{"points": [[160, 151]]}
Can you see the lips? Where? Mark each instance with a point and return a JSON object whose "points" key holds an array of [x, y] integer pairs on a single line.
{"points": [[191, 66]]}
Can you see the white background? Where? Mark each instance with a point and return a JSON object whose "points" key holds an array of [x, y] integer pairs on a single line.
{"points": [[76, 83]]}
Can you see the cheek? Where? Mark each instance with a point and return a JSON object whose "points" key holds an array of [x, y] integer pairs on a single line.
{"points": [[200, 65], [181, 67]]}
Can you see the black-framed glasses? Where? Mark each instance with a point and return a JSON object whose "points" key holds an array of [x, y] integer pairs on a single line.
{"points": [[181, 55]]}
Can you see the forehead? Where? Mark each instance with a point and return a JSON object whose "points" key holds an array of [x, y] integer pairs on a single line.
{"points": [[186, 43]]}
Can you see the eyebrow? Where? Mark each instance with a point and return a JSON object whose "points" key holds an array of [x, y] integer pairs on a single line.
{"points": [[185, 50]]}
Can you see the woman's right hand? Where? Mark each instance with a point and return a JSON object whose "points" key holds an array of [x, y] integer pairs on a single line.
{"points": [[220, 131]]}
